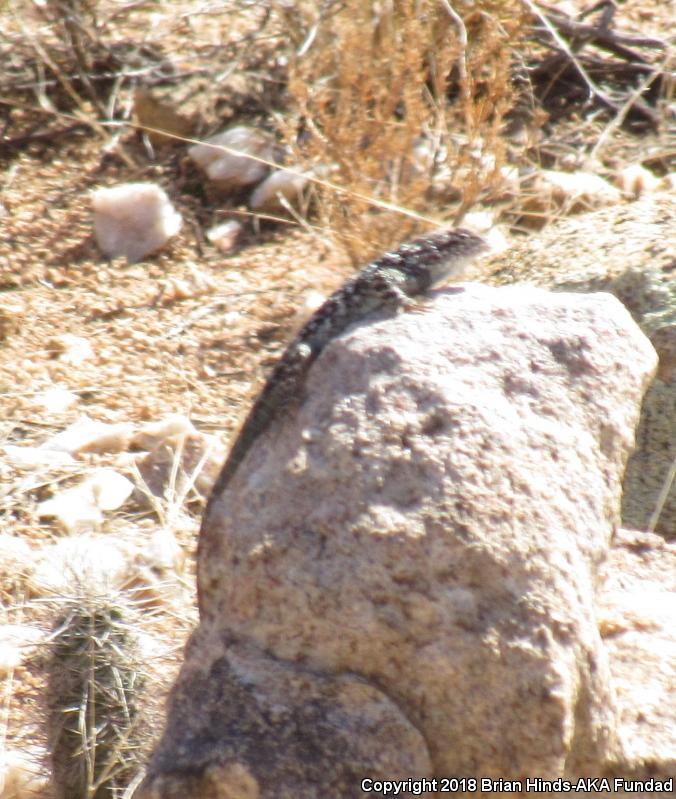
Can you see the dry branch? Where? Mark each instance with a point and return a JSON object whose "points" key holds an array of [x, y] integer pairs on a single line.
{"points": [[569, 75]]}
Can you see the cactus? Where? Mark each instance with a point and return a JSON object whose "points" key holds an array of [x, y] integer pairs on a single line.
{"points": [[94, 686]]}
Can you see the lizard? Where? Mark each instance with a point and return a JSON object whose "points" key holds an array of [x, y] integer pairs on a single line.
{"points": [[388, 283]]}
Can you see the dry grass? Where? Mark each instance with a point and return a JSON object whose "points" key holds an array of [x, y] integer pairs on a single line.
{"points": [[399, 114]]}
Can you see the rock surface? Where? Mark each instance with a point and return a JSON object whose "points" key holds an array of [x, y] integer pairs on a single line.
{"points": [[224, 157], [637, 618], [288, 185], [274, 728], [430, 520], [629, 251]]}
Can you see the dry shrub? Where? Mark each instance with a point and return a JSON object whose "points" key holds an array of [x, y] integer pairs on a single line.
{"points": [[384, 109]]}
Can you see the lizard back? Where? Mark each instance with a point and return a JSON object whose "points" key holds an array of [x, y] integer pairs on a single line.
{"points": [[389, 282]]}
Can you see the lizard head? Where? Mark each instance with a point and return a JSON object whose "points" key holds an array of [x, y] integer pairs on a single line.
{"points": [[433, 258]]}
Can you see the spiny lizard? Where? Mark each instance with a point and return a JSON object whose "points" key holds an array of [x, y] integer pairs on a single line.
{"points": [[388, 283]]}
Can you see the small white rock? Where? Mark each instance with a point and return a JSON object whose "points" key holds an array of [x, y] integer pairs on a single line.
{"points": [[80, 508], [511, 179], [423, 155], [480, 221], [483, 222], [234, 170], [284, 184], [56, 400], [36, 457], [225, 235], [635, 180], [149, 435], [554, 193], [88, 435], [74, 510], [134, 220], [589, 189], [110, 490], [10, 658]]}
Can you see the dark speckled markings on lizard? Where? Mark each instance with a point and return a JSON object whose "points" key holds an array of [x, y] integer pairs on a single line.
{"points": [[388, 283]]}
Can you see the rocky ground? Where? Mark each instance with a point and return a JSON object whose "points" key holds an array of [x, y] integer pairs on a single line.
{"points": [[187, 333]]}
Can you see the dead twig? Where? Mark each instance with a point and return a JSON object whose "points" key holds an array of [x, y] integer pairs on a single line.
{"points": [[42, 135], [593, 89], [601, 35], [463, 78], [620, 117], [569, 75]]}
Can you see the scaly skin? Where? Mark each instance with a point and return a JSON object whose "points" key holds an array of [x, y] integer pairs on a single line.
{"points": [[388, 283]]}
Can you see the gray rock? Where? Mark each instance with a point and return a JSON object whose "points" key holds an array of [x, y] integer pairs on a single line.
{"points": [[629, 251], [430, 521], [282, 183], [252, 726], [637, 618], [224, 157]]}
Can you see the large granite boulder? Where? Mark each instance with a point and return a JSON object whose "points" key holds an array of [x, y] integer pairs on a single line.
{"points": [[402, 578]]}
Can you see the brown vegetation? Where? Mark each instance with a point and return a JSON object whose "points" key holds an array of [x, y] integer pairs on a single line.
{"points": [[407, 114]]}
